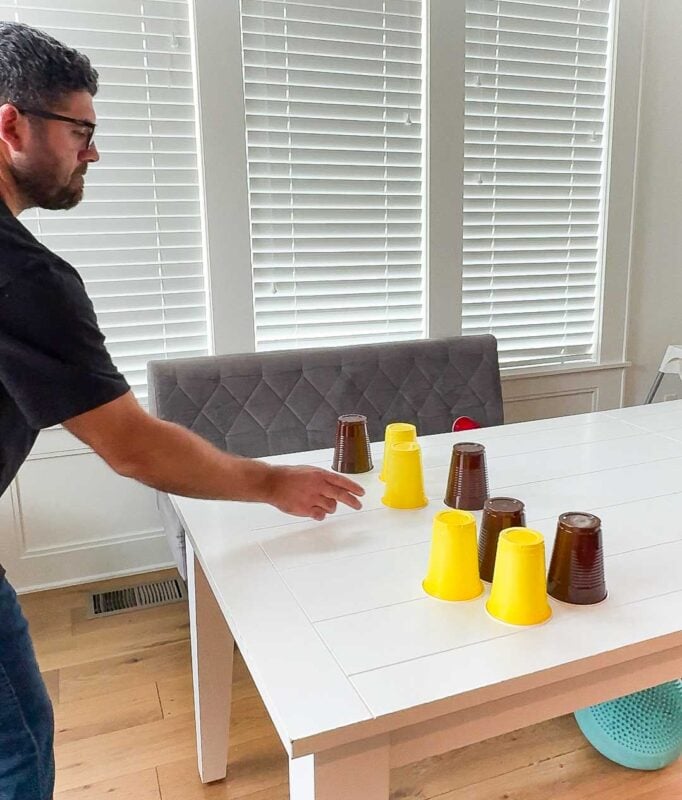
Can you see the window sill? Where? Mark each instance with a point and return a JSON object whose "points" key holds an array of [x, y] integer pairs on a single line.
{"points": [[519, 373]]}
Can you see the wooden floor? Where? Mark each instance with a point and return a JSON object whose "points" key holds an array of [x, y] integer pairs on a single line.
{"points": [[125, 730]]}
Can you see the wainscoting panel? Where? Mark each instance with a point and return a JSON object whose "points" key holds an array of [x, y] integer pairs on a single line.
{"points": [[66, 502], [529, 397], [69, 518]]}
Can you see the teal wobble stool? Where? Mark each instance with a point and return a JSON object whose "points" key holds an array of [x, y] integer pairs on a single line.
{"points": [[641, 730]]}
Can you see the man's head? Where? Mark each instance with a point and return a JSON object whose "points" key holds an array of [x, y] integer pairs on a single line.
{"points": [[43, 156]]}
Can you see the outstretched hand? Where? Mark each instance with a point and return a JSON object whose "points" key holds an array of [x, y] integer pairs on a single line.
{"points": [[311, 491]]}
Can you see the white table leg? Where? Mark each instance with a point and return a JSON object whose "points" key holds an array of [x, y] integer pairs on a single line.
{"points": [[354, 772], [212, 656]]}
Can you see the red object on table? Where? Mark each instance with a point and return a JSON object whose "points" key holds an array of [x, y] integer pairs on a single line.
{"points": [[464, 424]]}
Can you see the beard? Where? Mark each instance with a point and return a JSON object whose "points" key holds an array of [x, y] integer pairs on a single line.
{"points": [[40, 187]]}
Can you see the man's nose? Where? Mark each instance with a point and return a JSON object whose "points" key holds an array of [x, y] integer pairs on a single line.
{"points": [[91, 155]]}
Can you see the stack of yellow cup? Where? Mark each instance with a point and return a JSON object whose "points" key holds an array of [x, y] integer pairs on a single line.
{"points": [[453, 562], [396, 432], [519, 590], [405, 477]]}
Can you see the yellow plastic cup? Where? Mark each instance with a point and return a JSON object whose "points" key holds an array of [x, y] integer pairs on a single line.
{"points": [[453, 562], [519, 590], [396, 432], [405, 477]]}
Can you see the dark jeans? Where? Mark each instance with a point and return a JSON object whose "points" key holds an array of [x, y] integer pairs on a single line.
{"points": [[26, 721]]}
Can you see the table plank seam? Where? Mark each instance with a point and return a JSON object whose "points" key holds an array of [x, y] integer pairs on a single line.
{"points": [[417, 543], [596, 472], [321, 639], [284, 571], [507, 636]]}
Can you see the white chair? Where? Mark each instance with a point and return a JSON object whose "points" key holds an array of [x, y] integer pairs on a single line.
{"points": [[672, 363]]}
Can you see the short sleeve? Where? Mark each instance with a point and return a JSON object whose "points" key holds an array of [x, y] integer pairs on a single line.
{"points": [[53, 361]]}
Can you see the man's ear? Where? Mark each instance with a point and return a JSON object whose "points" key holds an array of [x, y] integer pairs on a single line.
{"points": [[13, 127]]}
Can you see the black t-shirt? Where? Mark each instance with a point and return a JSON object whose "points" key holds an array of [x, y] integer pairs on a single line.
{"points": [[53, 362]]}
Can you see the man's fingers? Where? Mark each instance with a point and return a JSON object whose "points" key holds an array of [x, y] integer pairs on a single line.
{"points": [[334, 479], [328, 504], [348, 499], [343, 496], [314, 492]]}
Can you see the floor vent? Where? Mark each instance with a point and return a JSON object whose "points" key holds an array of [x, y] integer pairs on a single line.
{"points": [[131, 598]]}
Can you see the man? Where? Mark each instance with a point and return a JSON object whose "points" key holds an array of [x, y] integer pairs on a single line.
{"points": [[54, 368]]}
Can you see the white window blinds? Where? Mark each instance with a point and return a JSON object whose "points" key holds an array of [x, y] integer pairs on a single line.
{"points": [[136, 238], [333, 101], [537, 89]]}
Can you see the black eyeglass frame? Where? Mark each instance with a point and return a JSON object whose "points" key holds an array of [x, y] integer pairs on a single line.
{"points": [[84, 123]]}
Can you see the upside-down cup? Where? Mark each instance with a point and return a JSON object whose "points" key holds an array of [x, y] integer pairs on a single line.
{"points": [[396, 432], [464, 424], [519, 591], [351, 452], [467, 487], [498, 513], [405, 477], [576, 569], [453, 562]]}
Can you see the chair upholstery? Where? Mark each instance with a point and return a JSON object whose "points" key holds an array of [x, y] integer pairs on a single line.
{"points": [[262, 404]]}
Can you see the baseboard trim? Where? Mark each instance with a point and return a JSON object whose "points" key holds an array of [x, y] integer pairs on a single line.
{"points": [[103, 576]]}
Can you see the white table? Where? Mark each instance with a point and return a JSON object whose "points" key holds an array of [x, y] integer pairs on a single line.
{"points": [[362, 672]]}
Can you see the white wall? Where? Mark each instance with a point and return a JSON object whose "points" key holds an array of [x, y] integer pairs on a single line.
{"points": [[655, 314]]}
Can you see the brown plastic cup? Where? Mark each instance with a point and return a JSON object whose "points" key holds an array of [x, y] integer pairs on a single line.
{"points": [[468, 479], [351, 452], [576, 571], [499, 513]]}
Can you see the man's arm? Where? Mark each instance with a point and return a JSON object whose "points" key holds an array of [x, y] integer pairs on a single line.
{"points": [[170, 458]]}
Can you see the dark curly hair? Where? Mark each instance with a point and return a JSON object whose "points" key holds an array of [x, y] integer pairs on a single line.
{"points": [[37, 71]]}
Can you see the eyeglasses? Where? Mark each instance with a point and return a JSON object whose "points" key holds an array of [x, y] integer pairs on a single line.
{"points": [[81, 123]]}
